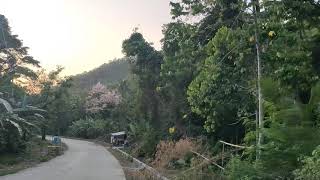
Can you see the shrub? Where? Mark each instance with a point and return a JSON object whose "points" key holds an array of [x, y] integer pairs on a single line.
{"points": [[144, 139], [238, 169], [311, 167], [88, 128], [147, 145], [10, 140], [168, 151]]}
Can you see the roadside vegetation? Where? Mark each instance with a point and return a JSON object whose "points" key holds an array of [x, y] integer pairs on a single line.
{"points": [[24, 111], [202, 88], [36, 151], [233, 93]]}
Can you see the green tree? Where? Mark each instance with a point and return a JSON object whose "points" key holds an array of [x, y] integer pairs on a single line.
{"points": [[182, 59], [290, 44], [54, 96], [184, 48], [212, 14], [222, 92], [16, 67], [145, 63], [15, 62]]}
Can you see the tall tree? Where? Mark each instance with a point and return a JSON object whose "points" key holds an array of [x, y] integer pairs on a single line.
{"points": [[182, 59], [222, 93], [15, 62], [55, 98], [145, 64], [211, 15], [290, 42]]}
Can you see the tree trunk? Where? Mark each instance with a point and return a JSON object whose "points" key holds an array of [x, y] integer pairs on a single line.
{"points": [[43, 133]]}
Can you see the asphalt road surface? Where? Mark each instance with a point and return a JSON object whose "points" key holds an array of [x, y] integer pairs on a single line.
{"points": [[82, 161]]}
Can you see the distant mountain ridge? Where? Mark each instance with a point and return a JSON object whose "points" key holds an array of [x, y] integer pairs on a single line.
{"points": [[108, 74]]}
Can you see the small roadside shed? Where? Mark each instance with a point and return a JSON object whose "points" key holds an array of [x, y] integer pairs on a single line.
{"points": [[118, 138]]}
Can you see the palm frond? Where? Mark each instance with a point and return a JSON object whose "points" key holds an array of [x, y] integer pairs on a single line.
{"points": [[23, 121], [39, 116], [12, 116], [29, 110], [7, 105], [16, 125]]}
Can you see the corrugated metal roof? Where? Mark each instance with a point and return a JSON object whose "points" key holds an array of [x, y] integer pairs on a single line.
{"points": [[118, 133]]}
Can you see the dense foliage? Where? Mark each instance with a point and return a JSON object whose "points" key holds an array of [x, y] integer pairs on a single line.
{"points": [[310, 168], [202, 84], [18, 119], [89, 128], [208, 79]]}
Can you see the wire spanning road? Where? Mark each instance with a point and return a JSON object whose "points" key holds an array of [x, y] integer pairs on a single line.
{"points": [[82, 161]]}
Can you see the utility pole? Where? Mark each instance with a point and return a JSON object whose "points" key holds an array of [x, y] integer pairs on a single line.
{"points": [[256, 10]]}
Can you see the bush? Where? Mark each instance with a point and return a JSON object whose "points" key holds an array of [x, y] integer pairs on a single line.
{"points": [[146, 139], [238, 169], [88, 128], [10, 140], [149, 140], [168, 151], [311, 167]]}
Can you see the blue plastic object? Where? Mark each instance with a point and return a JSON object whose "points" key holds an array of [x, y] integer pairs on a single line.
{"points": [[56, 140]]}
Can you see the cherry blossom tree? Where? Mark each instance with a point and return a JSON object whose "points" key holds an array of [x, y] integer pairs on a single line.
{"points": [[101, 98]]}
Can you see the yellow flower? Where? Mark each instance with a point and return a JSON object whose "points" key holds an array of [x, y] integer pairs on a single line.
{"points": [[271, 34], [172, 130]]}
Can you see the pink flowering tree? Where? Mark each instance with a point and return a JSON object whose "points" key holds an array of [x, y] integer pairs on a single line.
{"points": [[101, 98]]}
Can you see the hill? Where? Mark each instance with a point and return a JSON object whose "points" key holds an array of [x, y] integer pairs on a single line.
{"points": [[108, 74]]}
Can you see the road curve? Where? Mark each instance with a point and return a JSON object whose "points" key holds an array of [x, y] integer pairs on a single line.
{"points": [[82, 161]]}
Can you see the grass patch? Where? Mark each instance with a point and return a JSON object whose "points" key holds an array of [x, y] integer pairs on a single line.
{"points": [[9, 159], [201, 173], [131, 169], [37, 151]]}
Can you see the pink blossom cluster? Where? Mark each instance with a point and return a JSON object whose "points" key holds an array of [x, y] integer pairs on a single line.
{"points": [[100, 97]]}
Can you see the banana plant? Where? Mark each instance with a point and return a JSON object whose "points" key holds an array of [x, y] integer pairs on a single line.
{"points": [[9, 115], [284, 108], [290, 129]]}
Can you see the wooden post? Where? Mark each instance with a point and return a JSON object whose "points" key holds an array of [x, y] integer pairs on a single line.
{"points": [[222, 155]]}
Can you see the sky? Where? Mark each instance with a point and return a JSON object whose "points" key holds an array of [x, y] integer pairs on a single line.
{"points": [[83, 34]]}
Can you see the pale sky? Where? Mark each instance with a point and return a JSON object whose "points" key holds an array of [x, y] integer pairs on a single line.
{"points": [[83, 34]]}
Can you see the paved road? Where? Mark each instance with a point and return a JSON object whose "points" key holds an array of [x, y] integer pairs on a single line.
{"points": [[82, 161]]}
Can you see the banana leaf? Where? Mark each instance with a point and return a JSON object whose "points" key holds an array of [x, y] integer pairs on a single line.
{"points": [[6, 105]]}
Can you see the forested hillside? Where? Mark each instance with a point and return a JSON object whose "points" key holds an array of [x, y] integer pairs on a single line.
{"points": [[109, 73]]}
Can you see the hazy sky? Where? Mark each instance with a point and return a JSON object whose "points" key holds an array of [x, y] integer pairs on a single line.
{"points": [[82, 34]]}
